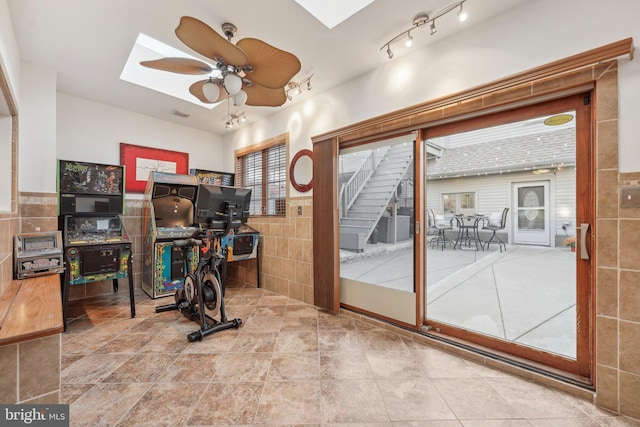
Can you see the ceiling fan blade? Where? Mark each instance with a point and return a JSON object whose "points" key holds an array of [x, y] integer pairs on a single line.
{"points": [[204, 40], [196, 90], [179, 65], [272, 68], [263, 96]]}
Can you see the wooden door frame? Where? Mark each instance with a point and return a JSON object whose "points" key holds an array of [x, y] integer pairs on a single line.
{"points": [[581, 368]]}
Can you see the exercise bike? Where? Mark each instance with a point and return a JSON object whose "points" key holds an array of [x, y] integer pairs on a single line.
{"points": [[201, 298]]}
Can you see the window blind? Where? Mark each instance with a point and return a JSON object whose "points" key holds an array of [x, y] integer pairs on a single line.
{"points": [[264, 172]]}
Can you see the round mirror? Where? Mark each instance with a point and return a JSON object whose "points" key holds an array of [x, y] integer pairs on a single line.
{"points": [[301, 171]]}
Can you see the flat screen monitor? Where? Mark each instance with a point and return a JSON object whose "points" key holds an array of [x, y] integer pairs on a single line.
{"points": [[222, 207]]}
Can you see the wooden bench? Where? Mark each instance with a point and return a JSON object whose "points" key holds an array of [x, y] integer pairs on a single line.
{"points": [[31, 308]]}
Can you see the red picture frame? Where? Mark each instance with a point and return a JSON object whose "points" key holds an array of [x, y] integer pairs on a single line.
{"points": [[139, 161]]}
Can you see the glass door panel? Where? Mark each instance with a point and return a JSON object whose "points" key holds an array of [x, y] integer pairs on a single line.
{"points": [[521, 295], [376, 202]]}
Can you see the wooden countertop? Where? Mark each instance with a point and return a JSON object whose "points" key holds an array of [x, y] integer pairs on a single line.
{"points": [[31, 308]]}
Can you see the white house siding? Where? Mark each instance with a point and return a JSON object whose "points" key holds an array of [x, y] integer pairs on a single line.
{"points": [[494, 193]]}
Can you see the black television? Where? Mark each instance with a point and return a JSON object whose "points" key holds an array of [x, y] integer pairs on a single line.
{"points": [[222, 207]]}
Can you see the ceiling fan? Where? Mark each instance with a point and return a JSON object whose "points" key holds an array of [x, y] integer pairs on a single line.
{"points": [[252, 72]]}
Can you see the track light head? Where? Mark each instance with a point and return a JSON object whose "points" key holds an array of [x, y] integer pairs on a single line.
{"points": [[389, 53], [462, 14], [409, 41], [433, 28]]}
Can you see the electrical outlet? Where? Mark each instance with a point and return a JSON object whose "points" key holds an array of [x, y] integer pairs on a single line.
{"points": [[630, 197]]}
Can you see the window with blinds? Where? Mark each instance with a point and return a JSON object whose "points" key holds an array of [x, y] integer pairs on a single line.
{"points": [[265, 172]]}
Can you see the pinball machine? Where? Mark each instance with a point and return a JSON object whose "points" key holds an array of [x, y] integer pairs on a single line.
{"points": [[96, 245]]}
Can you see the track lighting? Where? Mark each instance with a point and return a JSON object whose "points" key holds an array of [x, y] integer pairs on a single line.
{"points": [[422, 19], [294, 88], [409, 41], [233, 120]]}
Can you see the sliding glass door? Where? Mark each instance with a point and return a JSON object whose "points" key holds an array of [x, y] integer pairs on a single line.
{"points": [[377, 229], [526, 292]]}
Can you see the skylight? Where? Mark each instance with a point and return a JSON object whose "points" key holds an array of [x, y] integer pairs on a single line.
{"points": [[177, 85], [333, 12]]}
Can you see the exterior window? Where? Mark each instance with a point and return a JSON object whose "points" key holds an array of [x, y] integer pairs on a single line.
{"points": [[264, 171], [453, 203]]}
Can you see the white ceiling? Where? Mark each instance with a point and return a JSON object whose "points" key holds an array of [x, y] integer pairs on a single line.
{"points": [[88, 41]]}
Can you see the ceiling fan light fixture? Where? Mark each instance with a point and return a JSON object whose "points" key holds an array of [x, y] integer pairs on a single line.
{"points": [[211, 91], [240, 98], [232, 83]]}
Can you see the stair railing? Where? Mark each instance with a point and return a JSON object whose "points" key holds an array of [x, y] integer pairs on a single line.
{"points": [[350, 190]]}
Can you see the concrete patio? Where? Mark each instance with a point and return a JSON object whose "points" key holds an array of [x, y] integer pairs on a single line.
{"points": [[526, 294]]}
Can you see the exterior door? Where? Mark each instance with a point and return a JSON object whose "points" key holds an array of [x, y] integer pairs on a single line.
{"points": [[531, 207], [376, 204], [531, 298]]}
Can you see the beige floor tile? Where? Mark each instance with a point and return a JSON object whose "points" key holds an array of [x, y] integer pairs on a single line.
{"points": [[167, 405], [352, 401], [474, 398], [294, 366], [289, 402], [413, 399], [225, 403], [344, 365]]}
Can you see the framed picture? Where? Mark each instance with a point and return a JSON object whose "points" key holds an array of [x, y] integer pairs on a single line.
{"points": [[139, 161]]}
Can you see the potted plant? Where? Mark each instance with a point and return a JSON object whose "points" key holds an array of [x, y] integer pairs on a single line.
{"points": [[571, 242]]}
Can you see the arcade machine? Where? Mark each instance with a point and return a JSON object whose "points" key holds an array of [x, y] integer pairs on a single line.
{"points": [[168, 216], [96, 245], [38, 254]]}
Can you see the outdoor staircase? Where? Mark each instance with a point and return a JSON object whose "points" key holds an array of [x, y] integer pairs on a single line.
{"points": [[361, 209]]}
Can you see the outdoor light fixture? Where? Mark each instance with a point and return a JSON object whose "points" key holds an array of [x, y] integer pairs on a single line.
{"points": [[294, 88], [422, 19]]}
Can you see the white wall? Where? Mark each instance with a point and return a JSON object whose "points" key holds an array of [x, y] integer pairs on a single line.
{"points": [[37, 129], [9, 57], [92, 132], [537, 33]]}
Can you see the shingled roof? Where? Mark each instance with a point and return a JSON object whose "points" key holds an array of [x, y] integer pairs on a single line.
{"points": [[544, 150]]}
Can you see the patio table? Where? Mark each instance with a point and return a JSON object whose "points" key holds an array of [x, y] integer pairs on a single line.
{"points": [[468, 231]]}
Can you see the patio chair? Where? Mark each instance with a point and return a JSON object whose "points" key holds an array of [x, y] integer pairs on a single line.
{"points": [[439, 224], [496, 221]]}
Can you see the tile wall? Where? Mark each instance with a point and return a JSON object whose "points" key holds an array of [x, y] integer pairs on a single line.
{"points": [[618, 264]]}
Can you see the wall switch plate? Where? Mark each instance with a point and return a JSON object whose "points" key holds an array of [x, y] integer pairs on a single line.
{"points": [[630, 197]]}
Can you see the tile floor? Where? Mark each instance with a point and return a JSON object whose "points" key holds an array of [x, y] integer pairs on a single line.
{"points": [[289, 364]]}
